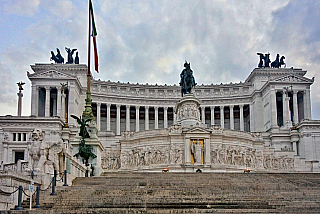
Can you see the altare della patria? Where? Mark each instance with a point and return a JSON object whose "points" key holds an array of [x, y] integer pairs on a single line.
{"points": [[81, 126]]}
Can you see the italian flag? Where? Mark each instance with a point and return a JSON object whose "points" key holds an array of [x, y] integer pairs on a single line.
{"points": [[94, 34]]}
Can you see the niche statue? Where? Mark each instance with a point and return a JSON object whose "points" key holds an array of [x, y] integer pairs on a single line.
{"points": [[186, 79]]}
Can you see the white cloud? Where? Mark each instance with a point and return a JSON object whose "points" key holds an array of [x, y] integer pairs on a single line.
{"points": [[148, 41], [22, 7]]}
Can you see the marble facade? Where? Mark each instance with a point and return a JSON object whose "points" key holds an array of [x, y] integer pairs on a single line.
{"points": [[263, 123]]}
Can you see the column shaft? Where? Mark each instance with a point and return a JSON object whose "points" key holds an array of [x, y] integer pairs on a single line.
{"points": [[207, 158], [137, 118], [165, 117], [284, 107], [203, 116], [212, 115], [187, 151], [47, 103], [295, 107], [231, 117], [251, 128], [308, 104], [127, 118], [63, 106], [99, 116], [59, 101], [241, 118], [222, 116], [34, 97], [118, 120], [156, 119], [274, 122], [146, 120], [109, 116]]}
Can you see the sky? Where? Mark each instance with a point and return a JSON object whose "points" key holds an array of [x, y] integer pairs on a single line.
{"points": [[148, 41]]}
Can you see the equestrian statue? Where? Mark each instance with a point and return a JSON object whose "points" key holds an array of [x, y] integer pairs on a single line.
{"points": [[187, 80]]}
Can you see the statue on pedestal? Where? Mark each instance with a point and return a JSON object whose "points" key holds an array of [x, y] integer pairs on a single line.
{"points": [[196, 150]]}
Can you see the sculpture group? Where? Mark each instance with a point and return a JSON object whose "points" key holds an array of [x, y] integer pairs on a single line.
{"points": [[59, 59], [85, 151], [265, 61]]}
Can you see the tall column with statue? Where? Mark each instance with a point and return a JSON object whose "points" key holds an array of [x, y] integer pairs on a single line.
{"points": [[20, 95]]}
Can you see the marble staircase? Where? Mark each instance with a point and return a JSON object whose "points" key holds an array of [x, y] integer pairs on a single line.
{"points": [[186, 193]]}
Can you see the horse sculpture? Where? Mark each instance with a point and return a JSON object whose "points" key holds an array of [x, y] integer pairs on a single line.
{"points": [[186, 79], [57, 58], [277, 63]]}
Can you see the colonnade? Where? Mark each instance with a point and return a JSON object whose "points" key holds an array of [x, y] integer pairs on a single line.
{"points": [[48, 101], [226, 114], [289, 106]]}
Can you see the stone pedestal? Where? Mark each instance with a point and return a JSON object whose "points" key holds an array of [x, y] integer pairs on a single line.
{"points": [[187, 111]]}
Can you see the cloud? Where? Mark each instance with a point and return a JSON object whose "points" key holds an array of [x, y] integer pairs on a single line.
{"points": [[22, 7], [148, 41]]}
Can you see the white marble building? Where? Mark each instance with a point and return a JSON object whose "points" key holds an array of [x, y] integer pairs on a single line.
{"points": [[263, 123]]}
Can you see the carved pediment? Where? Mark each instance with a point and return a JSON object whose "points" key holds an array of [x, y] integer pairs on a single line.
{"points": [[197, 130], [293, 78], [51, 74]]}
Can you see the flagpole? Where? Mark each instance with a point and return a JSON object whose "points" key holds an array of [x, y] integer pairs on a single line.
{"points": [[87, 113], [89, 49]]}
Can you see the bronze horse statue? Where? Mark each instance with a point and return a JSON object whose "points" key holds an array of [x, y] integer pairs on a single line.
{"points": [[57, 58], [186, 79], [277, 63]]}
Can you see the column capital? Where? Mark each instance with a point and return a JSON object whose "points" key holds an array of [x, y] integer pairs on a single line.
{"points": [[108, 105], [241, 105], [137, 107], [47, 88], [156, 108], [59, 88], [146, 107], [165, 108], [127, 106], [202, 107], [98, 104], [118, 105], [221, 107], [231, 106], [212, 107], [295, 92]]}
